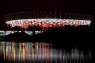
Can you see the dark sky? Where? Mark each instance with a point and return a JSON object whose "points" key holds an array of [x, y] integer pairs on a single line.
{"points": [[72, 6]]}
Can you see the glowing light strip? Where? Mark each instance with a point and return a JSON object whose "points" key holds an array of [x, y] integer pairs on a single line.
{"points": [[29, 32], [10, 32], [24, 23]]}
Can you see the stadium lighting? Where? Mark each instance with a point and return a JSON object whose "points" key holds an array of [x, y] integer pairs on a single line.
{"points": [[23, 23]]}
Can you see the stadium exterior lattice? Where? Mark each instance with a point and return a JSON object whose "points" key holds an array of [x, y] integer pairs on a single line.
{"points": [[46, 19]]}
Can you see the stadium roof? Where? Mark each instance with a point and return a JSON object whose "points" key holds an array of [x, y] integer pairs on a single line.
{"points": [[68, 6]]}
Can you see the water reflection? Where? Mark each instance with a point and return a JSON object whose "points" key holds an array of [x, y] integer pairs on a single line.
{"points": [[40, 52]]}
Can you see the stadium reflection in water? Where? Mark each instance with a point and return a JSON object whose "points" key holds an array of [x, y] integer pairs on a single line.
{"points": [[41, 52]]}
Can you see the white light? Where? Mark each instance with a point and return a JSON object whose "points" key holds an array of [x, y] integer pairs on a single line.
{"points": [[12, 31], [29, 32], [15, 31], [19, 22], [19, 31], [1, 31]]}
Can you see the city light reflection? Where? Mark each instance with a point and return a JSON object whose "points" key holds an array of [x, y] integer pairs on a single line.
{"points": [[14, 53], [23, 52], [41, 52]]}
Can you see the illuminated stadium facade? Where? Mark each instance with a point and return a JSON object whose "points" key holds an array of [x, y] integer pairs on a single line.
{"points": [[33, 23], [45, 20]]}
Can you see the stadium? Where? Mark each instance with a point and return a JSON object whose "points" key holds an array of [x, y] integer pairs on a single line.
{"points": [[46, 19], [42, 24]]}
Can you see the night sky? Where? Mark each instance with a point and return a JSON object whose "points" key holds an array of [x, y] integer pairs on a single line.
{"points": [[68, 6]]}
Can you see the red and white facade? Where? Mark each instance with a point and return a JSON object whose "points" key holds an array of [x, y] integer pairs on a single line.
{"points": [[46, 23]]}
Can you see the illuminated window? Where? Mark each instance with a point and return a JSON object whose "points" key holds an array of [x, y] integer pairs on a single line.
{"points": [[29, 32]]}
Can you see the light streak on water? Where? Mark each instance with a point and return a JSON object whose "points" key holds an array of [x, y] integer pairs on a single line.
{"points": [[42, 52]]}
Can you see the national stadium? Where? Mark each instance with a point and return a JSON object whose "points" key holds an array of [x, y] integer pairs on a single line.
{"points": [[46, 19]]}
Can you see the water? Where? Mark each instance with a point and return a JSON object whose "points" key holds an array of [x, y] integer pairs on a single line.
{"points": [[40, 52]]}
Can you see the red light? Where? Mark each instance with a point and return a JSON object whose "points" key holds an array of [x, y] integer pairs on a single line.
{"points": [[45, 23]]}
